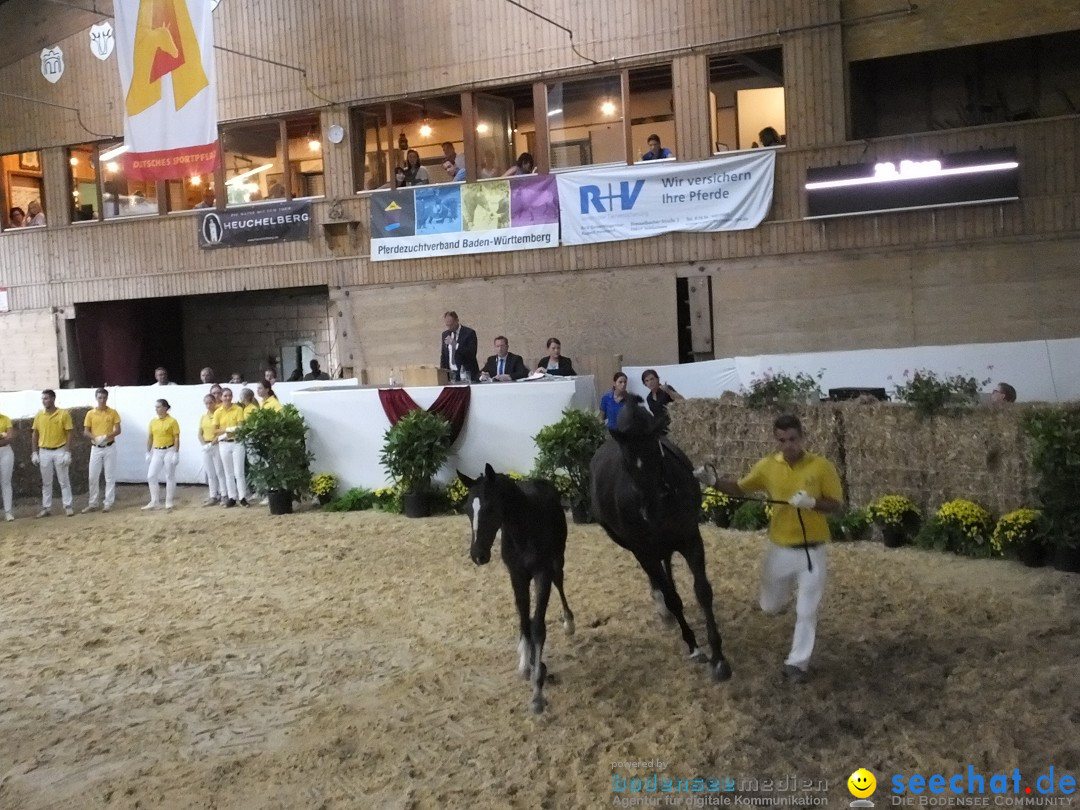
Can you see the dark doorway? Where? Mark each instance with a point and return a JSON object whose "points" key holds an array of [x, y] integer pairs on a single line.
{"points": [[694, 313], [122, 342]]}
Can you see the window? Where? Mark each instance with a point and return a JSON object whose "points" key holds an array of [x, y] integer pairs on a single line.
{"points": [[85, 199], [383, 135], [585, 121], [996, 82], [271, 160], [120, 197], [652, 111], [746, 95], [193, 192], [305, 156], [23, 189]]}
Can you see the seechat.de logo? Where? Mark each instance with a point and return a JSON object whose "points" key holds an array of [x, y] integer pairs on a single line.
{"points": [[621, 197], [861, 785]]}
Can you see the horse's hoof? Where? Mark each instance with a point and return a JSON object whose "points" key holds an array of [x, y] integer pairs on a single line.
{"points": [[722, 671], [537, 705], [525, 672], [698, 657], [568, 627]]}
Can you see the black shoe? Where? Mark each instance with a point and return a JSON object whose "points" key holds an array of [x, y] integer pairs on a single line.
{"points": [[792, 674], [244, 503], [230, 502]]}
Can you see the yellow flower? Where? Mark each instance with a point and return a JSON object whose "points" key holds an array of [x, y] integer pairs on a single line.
{"points": [[967, 516], [892, 510], [323, 484], [1015, 529]]}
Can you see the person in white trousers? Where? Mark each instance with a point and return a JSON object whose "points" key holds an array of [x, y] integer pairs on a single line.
{"points": [[7, 463], [101, 426], [808, 487], [227, 419], [50, 438], [163, 454], [215, 471]]}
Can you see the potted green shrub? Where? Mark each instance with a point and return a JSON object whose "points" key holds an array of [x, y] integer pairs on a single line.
{"points": [[565, 449], [278, 458], [897, 517], [323, 487], [1020, 535], [414, 450], [959, 526]]}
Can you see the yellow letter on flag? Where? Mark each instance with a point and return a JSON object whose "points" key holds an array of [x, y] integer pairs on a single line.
{"points": [[165, 44]]}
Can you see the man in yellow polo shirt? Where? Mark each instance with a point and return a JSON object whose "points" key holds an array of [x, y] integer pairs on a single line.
{"points": [[49, 439], [810, 486], [101, 426], [227, 419]]}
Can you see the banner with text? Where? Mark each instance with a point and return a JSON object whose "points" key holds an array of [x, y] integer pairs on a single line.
{"points": [[518, 213], [631, 202], [165, 52], [255, 224]]}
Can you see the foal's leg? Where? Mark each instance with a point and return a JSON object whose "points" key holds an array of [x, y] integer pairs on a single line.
{"points": [[660, 581], [520, 583], [539, 636], [658, 595], [694, 554], [567, 614]]}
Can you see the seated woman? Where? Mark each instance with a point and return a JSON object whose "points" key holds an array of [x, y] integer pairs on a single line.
{"points": [[612, 402], [415, 174], [34, 215], [524, 165], [555, 363], [660, 394]]}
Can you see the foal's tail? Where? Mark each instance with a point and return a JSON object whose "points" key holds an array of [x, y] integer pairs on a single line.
{"points": [[567, 614]]}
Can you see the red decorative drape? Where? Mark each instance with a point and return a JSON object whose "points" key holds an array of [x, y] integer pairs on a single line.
{"points": [[452, 404]]}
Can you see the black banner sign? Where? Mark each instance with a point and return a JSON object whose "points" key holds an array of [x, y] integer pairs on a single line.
{"points": [[286, 221]]}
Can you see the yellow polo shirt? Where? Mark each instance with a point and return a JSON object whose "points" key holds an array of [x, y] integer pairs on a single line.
{"points": [[52, 428], [164, 431], [233, 416], [272, 403], [5, 424], [813, 473], [250, 408], [206, 425], [101, 423]]}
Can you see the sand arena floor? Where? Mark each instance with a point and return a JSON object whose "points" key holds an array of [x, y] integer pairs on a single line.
{"points": [[228, 659]]}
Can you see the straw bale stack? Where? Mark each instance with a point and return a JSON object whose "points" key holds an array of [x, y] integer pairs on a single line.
{"points": [[26, 479]]}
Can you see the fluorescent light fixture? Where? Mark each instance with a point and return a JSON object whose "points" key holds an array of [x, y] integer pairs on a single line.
{"points": [[115, 152], [911, 170], [556, 111], [232, 181]]}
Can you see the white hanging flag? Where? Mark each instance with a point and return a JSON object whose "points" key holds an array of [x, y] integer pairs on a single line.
{"points": [[165, 51]]}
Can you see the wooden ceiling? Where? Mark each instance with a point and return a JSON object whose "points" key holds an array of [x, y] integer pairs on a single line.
{"points": [[28, 26]]}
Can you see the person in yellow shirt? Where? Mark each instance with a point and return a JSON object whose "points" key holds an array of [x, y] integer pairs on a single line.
{"points": [[247, 402], [7, 462], [49, 440], [227, 419], [215, 472], [268, 397], [163, 454], [798, 532], [101, 426], [215, 392]]}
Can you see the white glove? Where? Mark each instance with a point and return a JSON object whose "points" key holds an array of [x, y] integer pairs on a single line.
{"points": [[65, 458], [800, 500], [172, 459], [206, 448], [102, 441], [149, 455], [34, 458]]}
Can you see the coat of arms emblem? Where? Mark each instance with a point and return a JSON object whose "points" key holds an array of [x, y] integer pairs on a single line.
{"points": [[52, 64], [102, 40]]}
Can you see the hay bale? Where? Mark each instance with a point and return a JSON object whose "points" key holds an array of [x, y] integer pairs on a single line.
{"points": [[26, 478]]}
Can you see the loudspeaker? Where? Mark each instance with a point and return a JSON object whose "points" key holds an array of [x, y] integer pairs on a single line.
{"points": [[840, 394]]}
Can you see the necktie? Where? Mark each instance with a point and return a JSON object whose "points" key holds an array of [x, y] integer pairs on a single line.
{"points": [[501, 361]]}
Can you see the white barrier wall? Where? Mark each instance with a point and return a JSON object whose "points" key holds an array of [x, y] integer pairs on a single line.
{"points": [[1040, 370]]}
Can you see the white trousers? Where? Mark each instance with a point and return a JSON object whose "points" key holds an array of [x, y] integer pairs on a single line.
{"points": [[103, 458], [785, 568], [51, 460], [7, 466], [160, 461], [215, 470], [232, 459]]}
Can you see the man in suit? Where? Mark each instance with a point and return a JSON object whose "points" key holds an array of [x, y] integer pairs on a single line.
{"points": [[503, 366], [458, 348]]}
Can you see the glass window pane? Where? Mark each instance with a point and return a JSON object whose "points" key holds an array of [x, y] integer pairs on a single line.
{"points": [[585, 122], [370, 136], [652, 113], [497, 139], [253, 161], [432, 128], [305, 156], [746, 95], [121, 197], [23, 190], [85, 204], [193, 193]]}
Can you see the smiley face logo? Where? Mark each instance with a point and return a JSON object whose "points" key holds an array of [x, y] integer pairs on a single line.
{"points": [[861, 783]]}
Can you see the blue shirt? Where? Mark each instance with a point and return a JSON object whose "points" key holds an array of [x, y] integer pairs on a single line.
{"points": [[610, 408], [664, 153]]}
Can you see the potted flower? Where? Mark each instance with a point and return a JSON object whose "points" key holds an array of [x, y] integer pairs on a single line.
{"points": [[960, 526], [414, 450], [851, 524], [323, 487], [565, 449], [278, 458], [897, 517], [1019, 535], [778, 389], [716, 507], [456, 494]]}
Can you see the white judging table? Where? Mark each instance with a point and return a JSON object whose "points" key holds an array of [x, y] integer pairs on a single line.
{"points": [[348, 426]]}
